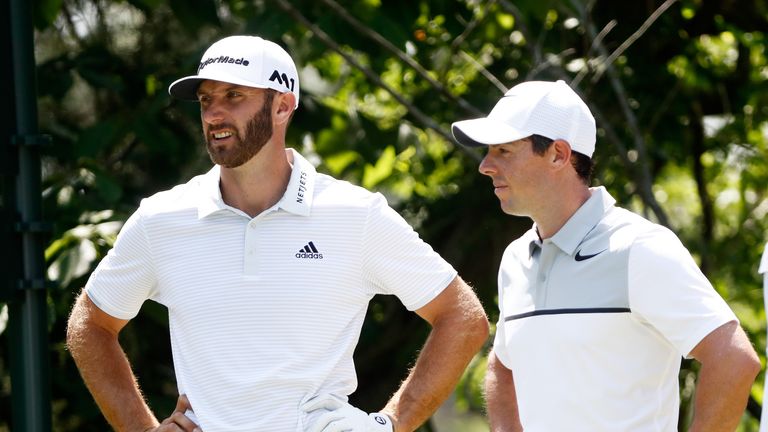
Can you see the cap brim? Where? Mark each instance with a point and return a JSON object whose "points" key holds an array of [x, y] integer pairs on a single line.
{"points": [[186, 88], [485, 131]]}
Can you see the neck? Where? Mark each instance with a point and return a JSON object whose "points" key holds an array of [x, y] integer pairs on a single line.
{"points": [[259, 183], [564, 202]]}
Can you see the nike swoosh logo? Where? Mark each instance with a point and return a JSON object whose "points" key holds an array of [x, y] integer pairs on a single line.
{"points": [[580, 257]]}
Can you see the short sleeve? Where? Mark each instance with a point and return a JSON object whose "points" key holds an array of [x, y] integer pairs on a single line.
{"points": [[668, 290], [397, 261], [499, 344], [125, 278], [500, 338]]}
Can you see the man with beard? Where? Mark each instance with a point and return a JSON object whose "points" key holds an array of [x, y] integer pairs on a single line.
{"points": [[266, 268]]}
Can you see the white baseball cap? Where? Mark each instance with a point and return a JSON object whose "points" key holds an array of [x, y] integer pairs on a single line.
{"points": [[243, 60], [549, 109]]}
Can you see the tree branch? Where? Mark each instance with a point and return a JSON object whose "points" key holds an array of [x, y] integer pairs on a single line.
{"points": [[635, 36], [352, 21], [418, 115], [484, 72], [598, 40], [642, 167]]}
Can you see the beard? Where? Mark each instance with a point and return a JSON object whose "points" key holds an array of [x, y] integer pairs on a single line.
{"points": [[247, 144]]}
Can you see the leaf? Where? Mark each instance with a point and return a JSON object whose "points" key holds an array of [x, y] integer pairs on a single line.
{"points": [[374, 174], [337, 162]]}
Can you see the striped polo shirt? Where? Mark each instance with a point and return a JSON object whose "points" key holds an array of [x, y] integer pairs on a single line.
{"points": [[594, 321], [265, 312]]}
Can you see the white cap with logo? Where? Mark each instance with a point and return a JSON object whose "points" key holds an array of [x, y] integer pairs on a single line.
{"points": [[243, 60], [549, 109]]}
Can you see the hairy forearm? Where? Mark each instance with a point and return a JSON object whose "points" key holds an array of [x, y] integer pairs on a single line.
{"points": [[448, 350], [501, 398], [108, 376]]}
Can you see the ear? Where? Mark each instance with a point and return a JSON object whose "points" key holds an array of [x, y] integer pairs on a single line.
{"points": [[283, 107], [560, 154]]}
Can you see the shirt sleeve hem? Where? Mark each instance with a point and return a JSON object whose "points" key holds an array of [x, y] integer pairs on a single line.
{"points": [[702, 332], [123, 315], [433, 293]]}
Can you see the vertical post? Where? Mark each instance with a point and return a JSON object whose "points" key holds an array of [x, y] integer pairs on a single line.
{"points": [[27, 326]]}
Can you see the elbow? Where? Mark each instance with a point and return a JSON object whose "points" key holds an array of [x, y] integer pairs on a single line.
{"points": [[74, 330], [478, 328], [484, 329], [748, 368], [752, 364], [745, 364], [77, 327], [746, 359]]}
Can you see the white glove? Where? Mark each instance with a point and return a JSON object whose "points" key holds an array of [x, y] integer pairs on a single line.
{"points": [[343, 417]]}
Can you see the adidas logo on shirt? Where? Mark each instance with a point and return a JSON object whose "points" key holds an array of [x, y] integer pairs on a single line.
{"points": [[309, 251]]}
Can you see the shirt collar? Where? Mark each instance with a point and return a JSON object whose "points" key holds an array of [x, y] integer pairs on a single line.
{"points": [[209, 200], [570, 236], [297, 198], [301, 187]]}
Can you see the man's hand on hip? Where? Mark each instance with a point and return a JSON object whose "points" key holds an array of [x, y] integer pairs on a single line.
{"points": [[181, 420], [343, 417]]}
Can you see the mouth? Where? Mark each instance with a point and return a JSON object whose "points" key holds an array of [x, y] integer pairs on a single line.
{"points": [[221, 135], [499, 189]]}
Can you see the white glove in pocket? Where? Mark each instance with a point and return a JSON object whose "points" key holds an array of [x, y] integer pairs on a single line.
{"points": [[343, 417]]}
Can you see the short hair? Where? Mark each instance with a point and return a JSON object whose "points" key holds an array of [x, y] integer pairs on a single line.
{"points": [[583, 164]]}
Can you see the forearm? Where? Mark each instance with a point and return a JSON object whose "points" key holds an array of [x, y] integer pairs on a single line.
{"points": [[719, 403], [724, 383], [108, 376], [441, 363], [501, 398]]}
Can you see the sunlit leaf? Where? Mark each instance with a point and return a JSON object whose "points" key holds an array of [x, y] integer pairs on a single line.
{"points": [[374, 174]]}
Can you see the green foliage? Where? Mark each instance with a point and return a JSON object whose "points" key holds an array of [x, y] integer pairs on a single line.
{"points": [[682, 139]]}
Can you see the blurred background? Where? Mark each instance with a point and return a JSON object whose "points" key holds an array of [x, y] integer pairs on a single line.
{"points": [[678, 88]]}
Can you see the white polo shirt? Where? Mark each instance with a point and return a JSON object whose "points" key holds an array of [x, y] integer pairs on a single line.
{"points": [[265, 312], [594, 321]]}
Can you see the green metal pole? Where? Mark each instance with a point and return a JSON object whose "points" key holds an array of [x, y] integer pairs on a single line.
{"points": [[28, 328]]}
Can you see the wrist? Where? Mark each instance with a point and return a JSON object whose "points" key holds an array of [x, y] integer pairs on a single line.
{"points": [[383, 421]]}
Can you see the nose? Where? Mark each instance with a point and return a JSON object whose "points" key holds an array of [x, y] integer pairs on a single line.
{"points": [[486, 166], [212, 111]]}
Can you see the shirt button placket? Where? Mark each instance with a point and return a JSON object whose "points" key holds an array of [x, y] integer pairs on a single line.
{"points": [[249, 252], [545, 264]]}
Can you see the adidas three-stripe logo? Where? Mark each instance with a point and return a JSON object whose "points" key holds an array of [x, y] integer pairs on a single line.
{"points": [[309, 251], [309, 248]]}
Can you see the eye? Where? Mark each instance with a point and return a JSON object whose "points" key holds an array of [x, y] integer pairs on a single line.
{"points": [[202, 98], [233, 94]]}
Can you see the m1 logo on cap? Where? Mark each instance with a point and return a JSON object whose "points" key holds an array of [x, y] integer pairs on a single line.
{"points": [[222, 59], [283, 79]]}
